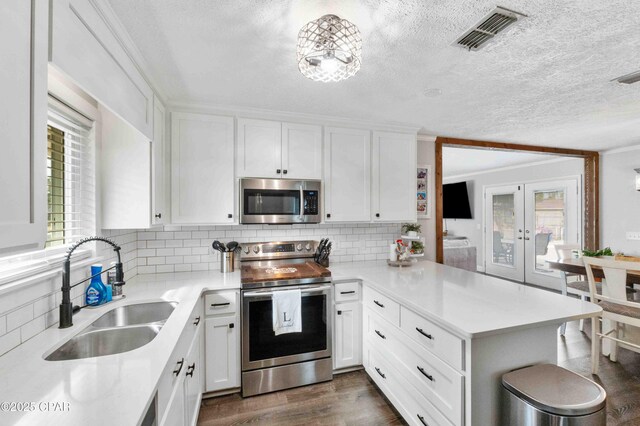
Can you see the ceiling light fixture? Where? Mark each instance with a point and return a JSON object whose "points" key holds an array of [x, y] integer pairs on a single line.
{"points": [[329, 49]]}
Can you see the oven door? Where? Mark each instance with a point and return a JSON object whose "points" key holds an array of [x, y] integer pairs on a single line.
{"points": [[279, 201], [261, 348]]}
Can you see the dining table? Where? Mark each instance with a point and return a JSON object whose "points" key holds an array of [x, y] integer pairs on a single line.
{"points": [[576, 266]]}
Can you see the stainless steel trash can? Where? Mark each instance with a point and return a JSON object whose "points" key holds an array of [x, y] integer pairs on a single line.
{"points": [[548, 395]]}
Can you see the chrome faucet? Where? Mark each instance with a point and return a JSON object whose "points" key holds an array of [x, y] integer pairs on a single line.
{"points": [[66, 307]]}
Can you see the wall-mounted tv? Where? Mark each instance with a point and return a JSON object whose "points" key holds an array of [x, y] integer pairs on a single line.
{"points": [[456, 201]]}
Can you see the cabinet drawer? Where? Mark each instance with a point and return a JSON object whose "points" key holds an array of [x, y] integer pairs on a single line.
{"points": [[347, 292], [435, 380], [415, 409], [382, 305], [445, 345], [224, 302]]}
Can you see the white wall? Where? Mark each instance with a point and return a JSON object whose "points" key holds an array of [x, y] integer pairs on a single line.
{"points": [[472, 228], [427, 156], [619, 201]]}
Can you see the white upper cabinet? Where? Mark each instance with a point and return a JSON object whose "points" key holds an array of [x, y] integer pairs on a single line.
{"points": [[23, 122], [393, 186], [259, 148], [271, 149], [202, 172], [158, 165], [125, 159], [301, 151], [85, 49], [347, 175]]}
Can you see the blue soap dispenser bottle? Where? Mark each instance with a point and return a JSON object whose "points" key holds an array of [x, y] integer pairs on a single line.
{"points": [[96, 293]]}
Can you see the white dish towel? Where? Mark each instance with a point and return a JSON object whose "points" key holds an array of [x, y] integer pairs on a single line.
{"points": [[287, 316]]}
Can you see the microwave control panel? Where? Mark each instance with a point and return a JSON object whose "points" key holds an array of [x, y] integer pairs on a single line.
{"points": [[310, 203]]}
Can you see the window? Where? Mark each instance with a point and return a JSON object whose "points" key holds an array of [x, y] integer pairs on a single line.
{"points": [[70, 176]]}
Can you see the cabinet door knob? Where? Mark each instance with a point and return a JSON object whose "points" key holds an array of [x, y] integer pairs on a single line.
{"points": [[284, 172], [377, 214], [159, 216], [232, 325], [229, 216], [328, 214], [191, 369], [179, 365], [339, 312], [278, 171]]}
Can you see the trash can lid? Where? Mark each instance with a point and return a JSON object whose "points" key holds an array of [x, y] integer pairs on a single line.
{"points": [[556, 390]]}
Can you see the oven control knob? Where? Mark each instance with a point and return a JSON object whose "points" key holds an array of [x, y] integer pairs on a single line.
{"points": [[246, 249], [256, 249], [299, 247], [308, 247]]}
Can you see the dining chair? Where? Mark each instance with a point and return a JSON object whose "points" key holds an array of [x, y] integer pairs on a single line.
{"points": [[616, 307], [575, 284]]}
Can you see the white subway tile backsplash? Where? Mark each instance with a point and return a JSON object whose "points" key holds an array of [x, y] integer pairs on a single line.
{"points": [[9, 341], [164, 252], [19, 317], [164, 268], [44, 305], [154, 244], [32, 328]]}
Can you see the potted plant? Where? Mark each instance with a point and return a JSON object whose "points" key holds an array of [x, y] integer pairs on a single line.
{"points": [[417, 247], [411, 229]]}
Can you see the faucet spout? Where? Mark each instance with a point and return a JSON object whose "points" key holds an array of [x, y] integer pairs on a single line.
{"points": [[66, 307]]}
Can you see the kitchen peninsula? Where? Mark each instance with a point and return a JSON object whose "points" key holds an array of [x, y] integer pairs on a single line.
{"points": [[463, 330]]}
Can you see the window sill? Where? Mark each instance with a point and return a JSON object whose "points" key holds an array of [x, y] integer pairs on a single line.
{"points": [[28, 265]]}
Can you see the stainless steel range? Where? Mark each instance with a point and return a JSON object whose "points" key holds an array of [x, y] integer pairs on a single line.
{"points": [[273, 362]]}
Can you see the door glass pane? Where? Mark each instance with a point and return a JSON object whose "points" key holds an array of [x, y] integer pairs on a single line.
{"points": [[550, 225], [271, 201], [263, 342], [504, 229]]}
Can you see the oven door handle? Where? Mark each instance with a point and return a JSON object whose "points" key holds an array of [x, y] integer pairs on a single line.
{"points": [[304, 290]]}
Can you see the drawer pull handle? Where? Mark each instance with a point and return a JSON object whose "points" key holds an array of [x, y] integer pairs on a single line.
{"points": [[197, 321], [216, 305], [348, 292], [179, 367], [378, 303], [424, 373], [422, 420], [380, 334], [191, 369], [427, 335], [380, 373]]}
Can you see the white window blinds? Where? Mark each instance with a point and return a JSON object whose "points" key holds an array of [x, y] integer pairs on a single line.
{"points": [[70, 175]]}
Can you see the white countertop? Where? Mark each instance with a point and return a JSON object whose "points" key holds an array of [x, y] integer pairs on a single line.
{"points": [[116, 389], [466, 303], [107, 390]]}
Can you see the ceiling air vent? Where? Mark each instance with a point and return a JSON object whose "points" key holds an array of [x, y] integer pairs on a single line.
{"points": [[488, 27], [634, 77]]}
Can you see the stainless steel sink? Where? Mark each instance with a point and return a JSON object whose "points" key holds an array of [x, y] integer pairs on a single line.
{"points": [[106, 341], [141, 313], [119, 330]]}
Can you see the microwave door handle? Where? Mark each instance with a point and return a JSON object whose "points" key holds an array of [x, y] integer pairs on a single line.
{"points": [[301, 200]]}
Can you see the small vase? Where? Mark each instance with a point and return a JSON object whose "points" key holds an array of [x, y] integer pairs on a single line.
{"points": [[412, 234]]}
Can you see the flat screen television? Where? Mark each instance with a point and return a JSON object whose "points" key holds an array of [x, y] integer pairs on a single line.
{"points": [[456, 201]]}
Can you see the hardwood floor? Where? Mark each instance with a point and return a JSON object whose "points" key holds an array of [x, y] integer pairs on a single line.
{"points": [[351, 399], [620, 379]]}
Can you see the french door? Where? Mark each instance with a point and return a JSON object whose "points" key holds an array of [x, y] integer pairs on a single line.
{"points": [[524, 222]]}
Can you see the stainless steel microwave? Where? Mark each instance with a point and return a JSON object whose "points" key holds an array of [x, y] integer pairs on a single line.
{"points": [[279, 201]]}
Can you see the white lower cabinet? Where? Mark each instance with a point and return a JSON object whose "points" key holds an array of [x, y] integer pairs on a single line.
{"points": [[347, 334], [422, 385], [222, 341], [180, 387]]}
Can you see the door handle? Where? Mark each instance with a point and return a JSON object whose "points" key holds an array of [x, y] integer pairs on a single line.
{"points": [[380, 373], [278, 171], [378, 303], [348, 292], [519, 238], [422, 420], [179, 365], [527, 238], [424, 373], [197, 321], [216, 305], [427, 335], [191, 369], [380, 334]]}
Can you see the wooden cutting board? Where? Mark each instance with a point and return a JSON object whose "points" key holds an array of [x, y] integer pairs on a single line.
{"points": [[292, 271]]}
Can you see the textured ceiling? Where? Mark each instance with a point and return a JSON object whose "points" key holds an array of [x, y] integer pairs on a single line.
{"points": [[461, 161], [544, 81]]}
